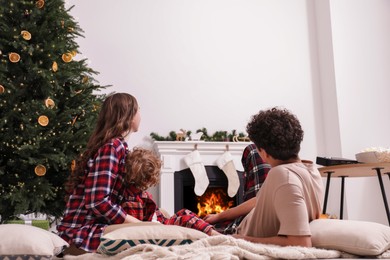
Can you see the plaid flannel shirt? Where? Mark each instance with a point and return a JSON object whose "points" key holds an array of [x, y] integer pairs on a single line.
{"points": [[255, 171], [95, 202], [139, 204]]}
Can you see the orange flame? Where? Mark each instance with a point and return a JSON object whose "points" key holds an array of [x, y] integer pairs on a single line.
{"points": [[213, 201]]}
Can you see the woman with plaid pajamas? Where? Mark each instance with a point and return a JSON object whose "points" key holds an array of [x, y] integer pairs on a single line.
{"points": [[96, 187]]}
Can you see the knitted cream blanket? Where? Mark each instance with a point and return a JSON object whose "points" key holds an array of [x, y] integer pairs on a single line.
{"points": [[216, 248]]}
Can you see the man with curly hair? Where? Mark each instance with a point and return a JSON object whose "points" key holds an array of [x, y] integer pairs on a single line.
{"points": [[291, 195]]}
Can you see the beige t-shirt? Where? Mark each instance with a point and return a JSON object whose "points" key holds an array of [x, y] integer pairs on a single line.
{"points": [[289, 199]]}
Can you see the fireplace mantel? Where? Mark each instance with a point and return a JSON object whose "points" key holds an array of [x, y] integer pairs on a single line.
{"points": [[172, 154]]}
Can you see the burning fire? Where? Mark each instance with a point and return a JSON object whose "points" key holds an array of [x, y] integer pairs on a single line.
{"points": [[213, 201]]}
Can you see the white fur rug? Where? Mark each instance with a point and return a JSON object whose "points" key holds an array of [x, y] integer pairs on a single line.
{"points": [[216, 248]]}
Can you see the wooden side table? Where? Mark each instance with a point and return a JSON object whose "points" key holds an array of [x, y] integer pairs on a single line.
{"points": [[355, 170]]}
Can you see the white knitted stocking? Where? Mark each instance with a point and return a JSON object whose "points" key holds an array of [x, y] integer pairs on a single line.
{"points": [[226, 164], [194, 161]]}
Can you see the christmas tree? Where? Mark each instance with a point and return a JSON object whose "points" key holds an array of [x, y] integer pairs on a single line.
{"points": [[48, 105]]}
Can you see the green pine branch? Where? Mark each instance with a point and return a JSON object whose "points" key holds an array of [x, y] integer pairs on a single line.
{"points": [[33, 70]]}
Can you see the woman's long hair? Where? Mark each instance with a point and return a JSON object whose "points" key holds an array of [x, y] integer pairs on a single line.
{"points": [[114, 120]]}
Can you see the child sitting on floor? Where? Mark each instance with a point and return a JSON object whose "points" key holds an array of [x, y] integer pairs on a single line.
{"points": [[142, 169]]}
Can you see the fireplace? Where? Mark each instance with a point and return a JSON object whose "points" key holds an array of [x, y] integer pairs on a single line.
{"points": [[215, 198], [172, 154]]}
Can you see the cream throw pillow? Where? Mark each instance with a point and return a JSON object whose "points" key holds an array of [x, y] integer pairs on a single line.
{"points": [[351, 236], [28, 242], [120, 237]]}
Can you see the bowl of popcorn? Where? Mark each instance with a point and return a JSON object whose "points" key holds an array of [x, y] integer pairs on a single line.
{"points": [[374, 155]]}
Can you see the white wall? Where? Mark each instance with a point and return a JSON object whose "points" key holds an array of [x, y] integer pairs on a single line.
{"points": [[213, 64], [361, 43], [194, 64]]}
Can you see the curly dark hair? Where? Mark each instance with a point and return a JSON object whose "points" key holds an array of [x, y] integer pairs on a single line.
{"points": [[277, 131], [142, 168]]}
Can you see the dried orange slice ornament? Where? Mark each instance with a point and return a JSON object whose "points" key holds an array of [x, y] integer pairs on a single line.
{"points": [[49, 103], [54, 67], [2, 89], [40, 3], [67, 57], [74, 53], [40, 170], [43, 120], [26, 35], [14, 57]]}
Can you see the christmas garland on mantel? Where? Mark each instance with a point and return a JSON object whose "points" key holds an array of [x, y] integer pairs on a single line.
{"points": [[218, 136]]}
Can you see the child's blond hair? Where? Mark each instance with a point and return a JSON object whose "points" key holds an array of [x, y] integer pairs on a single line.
{"points": [[142, 168]]}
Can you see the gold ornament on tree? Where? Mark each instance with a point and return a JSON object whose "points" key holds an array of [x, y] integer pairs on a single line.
{"points": [[73, 165], [43, 120], [67, 57], [2, 89], [26, 35], [14, 57], [74, 120], [40, 4], [54, 67], [49, 103], [40, 170], [74, 53], [85, 79]]}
